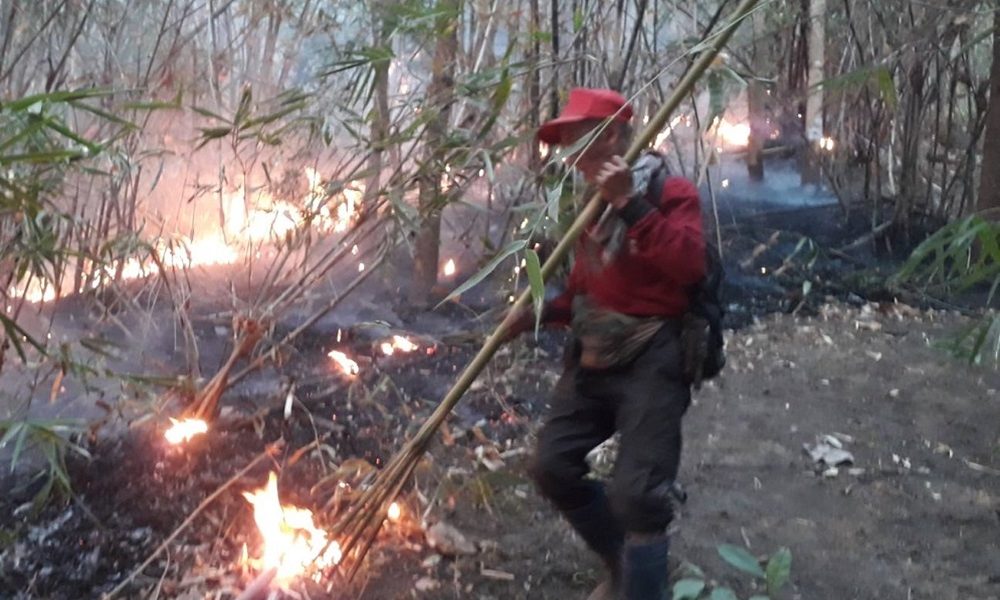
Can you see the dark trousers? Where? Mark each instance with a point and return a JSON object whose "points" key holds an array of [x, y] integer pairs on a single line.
{"points": [[643, 400]]}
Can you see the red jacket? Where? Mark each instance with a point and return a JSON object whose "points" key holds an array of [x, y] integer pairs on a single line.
{"points": [[662, 255]]}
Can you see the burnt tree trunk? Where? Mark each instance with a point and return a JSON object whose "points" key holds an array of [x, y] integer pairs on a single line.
{"points": [[758, 131], [430, 197], [989, 178]]}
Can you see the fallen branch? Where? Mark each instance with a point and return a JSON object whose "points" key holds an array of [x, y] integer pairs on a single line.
{"points": [[270, 451], [364, 519], [206, 404]]}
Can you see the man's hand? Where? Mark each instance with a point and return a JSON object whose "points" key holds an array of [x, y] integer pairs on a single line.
{"points": [[524, 320], [615, 182]]}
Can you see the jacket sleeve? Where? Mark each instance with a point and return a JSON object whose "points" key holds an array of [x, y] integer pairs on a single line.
{"points": [[668, 241], [559, 310]]}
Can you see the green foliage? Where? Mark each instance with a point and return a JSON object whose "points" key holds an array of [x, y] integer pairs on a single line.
{"points": [[957, 258], [264, 123], [534, 268], [774, 575], [877, 78], [52, 439], [740, 559]]}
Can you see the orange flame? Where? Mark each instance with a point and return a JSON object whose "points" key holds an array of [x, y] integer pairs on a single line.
{"points": [[292, 542], [395, 512], [449, 267], [734, 134], [398, 343], [250, 218], [183, 430], [347, 365]]}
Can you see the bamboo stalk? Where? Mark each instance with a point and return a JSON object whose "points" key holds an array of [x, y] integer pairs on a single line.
{"points": [[370, 505]]}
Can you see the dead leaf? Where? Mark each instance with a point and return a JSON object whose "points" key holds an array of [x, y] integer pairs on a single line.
{"points": [[448, 541]]}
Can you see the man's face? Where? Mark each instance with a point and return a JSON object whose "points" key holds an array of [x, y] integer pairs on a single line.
{"points": [[590, 159]]}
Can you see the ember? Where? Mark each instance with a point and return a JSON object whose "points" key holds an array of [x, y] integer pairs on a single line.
{"points": [[291, 541], [398, 343], [394, 513], [183, 430], [347, 365], [449, 267]]}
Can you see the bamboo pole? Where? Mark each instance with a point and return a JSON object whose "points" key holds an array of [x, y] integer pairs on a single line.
{"points": [[366, 513]]}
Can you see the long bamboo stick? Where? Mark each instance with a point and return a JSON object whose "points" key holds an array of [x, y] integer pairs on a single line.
{"points": [[370, 503]]}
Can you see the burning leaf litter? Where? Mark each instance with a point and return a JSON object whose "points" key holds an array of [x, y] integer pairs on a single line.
{"points": [[184, 429], [346, 364], [291, 541]]}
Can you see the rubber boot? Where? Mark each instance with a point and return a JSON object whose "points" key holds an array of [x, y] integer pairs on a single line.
{"points": [[644, 568], [599, 528]]}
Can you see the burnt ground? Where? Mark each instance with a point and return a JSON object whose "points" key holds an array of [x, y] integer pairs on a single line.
{"points": [[917, 517]]}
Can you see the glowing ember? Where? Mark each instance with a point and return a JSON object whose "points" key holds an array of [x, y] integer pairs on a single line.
{"points": [[398, 343], [827, 144], [184, 430], [734, 134], [394, 512], [449, 267], [292, 542], [347, 365]]}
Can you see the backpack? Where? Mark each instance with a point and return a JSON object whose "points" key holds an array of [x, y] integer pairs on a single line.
{"points": [[701, 333]]}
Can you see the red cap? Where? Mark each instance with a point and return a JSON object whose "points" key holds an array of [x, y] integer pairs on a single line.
{"points": [[584, 104]]}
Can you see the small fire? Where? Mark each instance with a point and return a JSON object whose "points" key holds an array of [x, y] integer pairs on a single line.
{"points": [[827, 143], [734, 134], [398, 343], [347, 365], [449, 267], [250, 217], [184, 430], [395, 512], [292, 542]]}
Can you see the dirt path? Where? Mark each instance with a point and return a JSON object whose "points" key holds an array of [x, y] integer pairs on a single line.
{"points": [[921, 521]]}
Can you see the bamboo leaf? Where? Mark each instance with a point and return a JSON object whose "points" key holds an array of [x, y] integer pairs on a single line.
{"points": [[534, 268], [511, 248]]}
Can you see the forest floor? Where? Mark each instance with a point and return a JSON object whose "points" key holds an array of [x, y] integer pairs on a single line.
{"points": [[917, 517], [916, 514]]}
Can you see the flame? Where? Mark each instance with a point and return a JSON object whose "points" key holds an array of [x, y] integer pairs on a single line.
{"points": [[449, 267], [734, 134], [827, 143], [398, 343], [249, 218], [292, 542], [37, 291], [394, 513], [184, 430], [347, 365]]}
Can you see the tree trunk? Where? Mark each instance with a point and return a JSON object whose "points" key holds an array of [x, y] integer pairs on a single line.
{"points": [[380, 116], [758, 131], [439, 99], [811, 167], [989, 178]]}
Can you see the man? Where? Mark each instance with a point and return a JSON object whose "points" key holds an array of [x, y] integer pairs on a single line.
{"points": [[626, 294]]}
